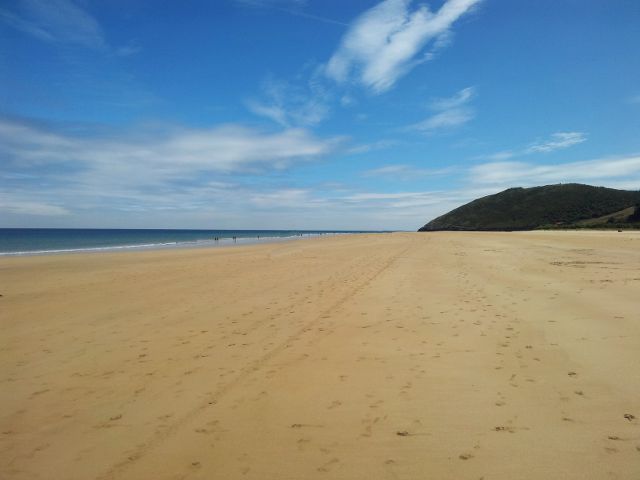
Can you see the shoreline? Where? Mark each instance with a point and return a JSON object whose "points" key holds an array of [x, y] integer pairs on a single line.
{"points": [[265, 240], [222, 242]]}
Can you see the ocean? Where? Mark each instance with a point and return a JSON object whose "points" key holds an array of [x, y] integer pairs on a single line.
{"points": [[39, 241]]}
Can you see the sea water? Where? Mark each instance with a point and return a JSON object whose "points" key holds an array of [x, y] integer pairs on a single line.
{"points": [[34, 241]]}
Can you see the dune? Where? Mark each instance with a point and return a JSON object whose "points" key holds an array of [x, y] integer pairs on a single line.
{"points": [[448, 355]]}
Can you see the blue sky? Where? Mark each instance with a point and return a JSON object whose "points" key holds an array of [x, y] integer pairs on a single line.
{"points": [[318, 114]]}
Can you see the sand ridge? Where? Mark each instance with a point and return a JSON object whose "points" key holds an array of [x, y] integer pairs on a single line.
{"points": [[442, 355]]}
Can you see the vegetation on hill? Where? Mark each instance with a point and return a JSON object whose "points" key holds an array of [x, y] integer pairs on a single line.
{"points": [[552, 206]]}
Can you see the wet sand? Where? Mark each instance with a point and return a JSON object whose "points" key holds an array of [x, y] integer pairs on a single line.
{"points": [[393, 356]]}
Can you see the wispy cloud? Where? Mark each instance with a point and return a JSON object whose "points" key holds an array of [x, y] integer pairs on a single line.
{"points": [[600, 171], [459, 100], [60, 21], [291, 7], [445, 120], [18, 205], [225, 148], [128, 50], [408, 172], [449, 113], [557, 141], [385, 42], [289, 198], [25, 26], [148, 169], [290, 104], [371, 147]]}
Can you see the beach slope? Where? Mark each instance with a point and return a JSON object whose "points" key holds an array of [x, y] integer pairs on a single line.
{"points": [[390, 356]]}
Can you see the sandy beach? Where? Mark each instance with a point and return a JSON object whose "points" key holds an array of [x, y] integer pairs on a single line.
{"points": [[390, 356]]}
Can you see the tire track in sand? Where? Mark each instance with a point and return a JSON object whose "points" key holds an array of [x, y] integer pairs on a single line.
{"points": [[141, 451]]}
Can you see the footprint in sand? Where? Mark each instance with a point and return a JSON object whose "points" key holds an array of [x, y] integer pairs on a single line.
{"points": [[303, 442], [39, 392], [327, 466]]}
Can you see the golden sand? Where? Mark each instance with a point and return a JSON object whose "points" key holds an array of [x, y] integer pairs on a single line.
{"points": [[394, 356]]}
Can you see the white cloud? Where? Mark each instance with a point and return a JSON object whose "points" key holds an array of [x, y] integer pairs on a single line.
{"points": [[450, 113], [358, 197], [389, 170], [290, 104], [273, 112], [408, 172], [498, 156], [148, 170], [604, 171], [443, 120], [458, 100], [226, 148], [282, 198], [373, 146], [383, 43], [292, 7], [557, 141]]}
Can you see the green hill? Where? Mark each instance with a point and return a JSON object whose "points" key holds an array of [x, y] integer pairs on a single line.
{"points": [[551, 206]]}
